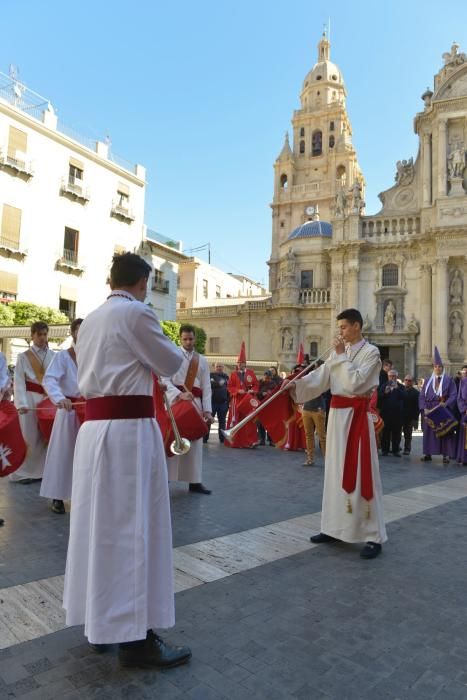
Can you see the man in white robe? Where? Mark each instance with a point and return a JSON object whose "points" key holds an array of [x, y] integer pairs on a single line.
{"points": [[28, 393], [189, 467], [4, 390], [119, 572], [61, 384], [352, 509]]}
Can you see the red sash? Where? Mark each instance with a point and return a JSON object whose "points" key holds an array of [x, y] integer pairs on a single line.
{"points": [[119, 407], [359, 438], [36, 388]]}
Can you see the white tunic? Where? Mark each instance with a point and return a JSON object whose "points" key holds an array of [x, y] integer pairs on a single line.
{"points": [[33, 465], [61, 381], [189, 467], [347, 377], [119, 578]]}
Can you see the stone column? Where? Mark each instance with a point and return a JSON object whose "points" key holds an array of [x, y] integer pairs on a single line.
{"points": [[442, 320], [352, 288], [442, 157], [464, 301], [425, 313], [426, 169]]}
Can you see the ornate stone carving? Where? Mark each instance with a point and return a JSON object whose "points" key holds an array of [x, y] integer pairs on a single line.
{"points": [[341, 202], [404, 172], [357, 201], [413, 325], [452, 58], [456, 161], [366, 324], [404, 198], [287, 340], [456, 288]]}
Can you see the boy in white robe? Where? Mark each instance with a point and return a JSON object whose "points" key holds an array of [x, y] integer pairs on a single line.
{"points": [[189, 467], [28, 393], [119, 569], [352, 509], [61, 384]]}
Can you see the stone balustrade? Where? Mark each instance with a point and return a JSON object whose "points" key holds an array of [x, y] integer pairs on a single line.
{"points": [[385, 228], [227, 310], [315, 297]]}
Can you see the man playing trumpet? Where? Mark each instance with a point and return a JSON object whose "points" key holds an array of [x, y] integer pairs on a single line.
{"points": [[352, 509]]}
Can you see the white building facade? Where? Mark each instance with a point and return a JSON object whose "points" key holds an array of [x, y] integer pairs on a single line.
{"points": [[66, 206]]}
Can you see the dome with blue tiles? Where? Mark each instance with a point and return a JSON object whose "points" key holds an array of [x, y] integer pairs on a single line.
{"points": [[312, 229]]}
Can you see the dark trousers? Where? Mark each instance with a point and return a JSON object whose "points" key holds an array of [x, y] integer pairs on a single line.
{"points": [[262, 434], [407, 428], [392, 433], [220, 410]]}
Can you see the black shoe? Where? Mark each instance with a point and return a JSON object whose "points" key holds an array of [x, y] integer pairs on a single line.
{"points": [[322, 538], [152, 652], [2, 522], [99, 648], [446, 460], [199, 488], [426, 458], [262, 443], [371, 550], [406, 452], [57, 506]]}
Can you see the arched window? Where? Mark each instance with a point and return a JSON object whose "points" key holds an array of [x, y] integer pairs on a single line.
{"points": [[340, 173], [284, 182], [302, 132], [332, 141], [302, 147], [317, 143], [313, 351], [331, 126], [390, 276]]}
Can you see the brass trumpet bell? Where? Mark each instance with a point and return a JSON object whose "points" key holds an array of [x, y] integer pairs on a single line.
{"points": [[180, 446]]}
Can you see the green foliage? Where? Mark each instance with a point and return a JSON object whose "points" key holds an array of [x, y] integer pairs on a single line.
{"points": [[26, 313], [172, 330], [7, 315]]}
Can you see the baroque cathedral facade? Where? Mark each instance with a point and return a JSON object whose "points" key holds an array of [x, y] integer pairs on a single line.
{"points": [[405, 268]]}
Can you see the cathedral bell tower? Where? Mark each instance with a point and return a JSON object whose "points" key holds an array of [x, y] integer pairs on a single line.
{"points": [[320, 165]]}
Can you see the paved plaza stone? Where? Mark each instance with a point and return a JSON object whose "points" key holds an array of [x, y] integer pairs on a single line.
{"points": [[321, 623]]}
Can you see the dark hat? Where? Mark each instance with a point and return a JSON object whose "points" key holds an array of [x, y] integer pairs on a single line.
{"points": [[268, 373]]}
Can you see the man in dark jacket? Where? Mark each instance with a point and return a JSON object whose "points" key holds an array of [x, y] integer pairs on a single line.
{"points": [[411, 412], [220, 398], [391, 400]]}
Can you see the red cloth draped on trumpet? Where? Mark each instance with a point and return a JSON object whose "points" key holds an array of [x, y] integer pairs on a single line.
{"points": [[242, 404]]}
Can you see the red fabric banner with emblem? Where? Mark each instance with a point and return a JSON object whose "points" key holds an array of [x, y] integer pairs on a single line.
{"points": [[13, 449]]}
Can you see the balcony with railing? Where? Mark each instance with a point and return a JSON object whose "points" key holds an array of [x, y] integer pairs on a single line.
{"points": [[10, 247], [69, 262], [162, 286], [305, 191], [74, 189], [18, 165], [383, 229], [315, 296], [122, 213]]}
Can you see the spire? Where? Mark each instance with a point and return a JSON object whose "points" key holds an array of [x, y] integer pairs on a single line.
{"points": [[286, 153], [324, 48]]}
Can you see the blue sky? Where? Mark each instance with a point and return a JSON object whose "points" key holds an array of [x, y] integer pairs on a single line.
{"points": [[202, 93]]}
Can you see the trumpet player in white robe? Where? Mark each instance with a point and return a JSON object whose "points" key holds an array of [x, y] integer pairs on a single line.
{"points": [[352, 509], [61, 384]]}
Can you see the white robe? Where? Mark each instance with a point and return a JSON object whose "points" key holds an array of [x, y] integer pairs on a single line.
{"points": [[346, 377], [61, 381], [119, 578], [189, 467], [33, 465]]}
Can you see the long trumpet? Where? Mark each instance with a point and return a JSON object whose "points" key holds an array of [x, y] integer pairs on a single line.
{"points": [[181, 445], [230, 433]]}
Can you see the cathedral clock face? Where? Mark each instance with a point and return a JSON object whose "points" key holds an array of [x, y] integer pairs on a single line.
{"points": [[309, 211]]}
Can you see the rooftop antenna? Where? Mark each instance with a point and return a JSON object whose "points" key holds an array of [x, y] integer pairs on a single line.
{"points": [[18, 88], [329, 29]]}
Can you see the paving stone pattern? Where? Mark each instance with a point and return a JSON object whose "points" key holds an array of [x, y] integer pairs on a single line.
{"points": [[319, 624]]}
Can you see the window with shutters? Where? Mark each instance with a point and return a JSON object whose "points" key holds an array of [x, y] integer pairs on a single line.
{"points": [[17, 147], [214, 345], [317, 143], [205, 289], [121, 205], [11, 227], [8, 286], [313, 351], [67, 307], [306, 279], [75, 175], [123, 196]]}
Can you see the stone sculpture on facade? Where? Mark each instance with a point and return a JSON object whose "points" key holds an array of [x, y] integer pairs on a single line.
{"points": [[457, 327], [404, 172], [390, 317], [456, 288], [341, 202], [413, 326], [456, 161], [287, 340], [357, 201], [366, 324]]}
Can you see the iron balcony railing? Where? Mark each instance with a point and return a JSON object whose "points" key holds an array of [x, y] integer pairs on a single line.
{"points": [[20, 165], [74, 187], [10, 243], [121, 212]]}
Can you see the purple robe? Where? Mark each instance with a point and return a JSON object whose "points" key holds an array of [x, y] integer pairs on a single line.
{"points": [[447, 445], [462, 406]]}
